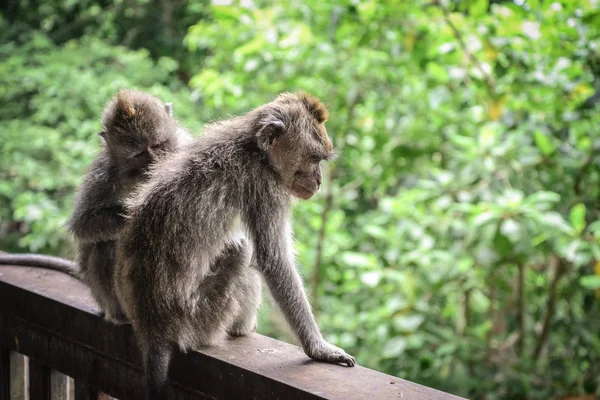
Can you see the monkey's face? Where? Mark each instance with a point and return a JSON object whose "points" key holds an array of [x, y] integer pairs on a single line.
{"points": [[136, 153], [297, 156], [138, 130], [292, 132]]}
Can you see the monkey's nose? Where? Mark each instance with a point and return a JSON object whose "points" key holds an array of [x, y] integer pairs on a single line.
{"points": [[319, 179]]}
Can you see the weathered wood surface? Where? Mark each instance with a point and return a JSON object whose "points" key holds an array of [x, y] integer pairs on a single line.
{"points": [[51, 318]]}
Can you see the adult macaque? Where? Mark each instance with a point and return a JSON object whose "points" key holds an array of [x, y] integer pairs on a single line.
{"points": [[239, 176]]}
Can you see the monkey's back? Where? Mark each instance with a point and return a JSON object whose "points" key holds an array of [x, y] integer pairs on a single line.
{"points": [[179, 222]]}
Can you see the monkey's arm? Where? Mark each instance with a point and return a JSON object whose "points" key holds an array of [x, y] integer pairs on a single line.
{"points": [[97, 224], [97, 213], [273, 247]]}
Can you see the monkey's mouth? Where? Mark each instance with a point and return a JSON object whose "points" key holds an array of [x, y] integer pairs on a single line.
{"points": [[302, 192]]}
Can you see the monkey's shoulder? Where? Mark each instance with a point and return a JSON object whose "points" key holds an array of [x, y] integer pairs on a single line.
{"points": [[102, 169], [100, 185]]}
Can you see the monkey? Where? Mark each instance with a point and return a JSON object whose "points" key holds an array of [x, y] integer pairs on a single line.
{"points": [[239, 175], [138, 130]]}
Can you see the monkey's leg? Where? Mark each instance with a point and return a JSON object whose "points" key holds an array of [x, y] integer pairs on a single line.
{"points": [[216, 308], [97, 268], [249, 298], [220, 294], [214, 312]]}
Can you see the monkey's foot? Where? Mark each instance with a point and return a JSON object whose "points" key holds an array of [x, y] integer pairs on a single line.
{"points": [[243, 327], [120, 321], [323, 351], [117, 318], [239, 331]]}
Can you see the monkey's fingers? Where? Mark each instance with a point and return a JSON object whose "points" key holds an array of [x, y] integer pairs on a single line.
{"points": [[346, 359], [330, 353]]}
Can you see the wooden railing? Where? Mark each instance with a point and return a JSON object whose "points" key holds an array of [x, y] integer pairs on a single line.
{"points": [[49, 327]]}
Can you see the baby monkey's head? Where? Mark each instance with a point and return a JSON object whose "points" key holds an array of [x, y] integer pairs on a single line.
{"points": [[138, 129]]}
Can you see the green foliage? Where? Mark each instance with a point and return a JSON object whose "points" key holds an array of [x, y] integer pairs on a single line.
{"points": [[455, 241]]}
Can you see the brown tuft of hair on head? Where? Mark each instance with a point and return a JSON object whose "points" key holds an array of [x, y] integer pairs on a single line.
{"points": [[314, 106], [125, 103]]}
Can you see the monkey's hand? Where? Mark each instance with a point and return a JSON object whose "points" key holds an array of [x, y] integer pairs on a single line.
{"points": [[323, 351]]}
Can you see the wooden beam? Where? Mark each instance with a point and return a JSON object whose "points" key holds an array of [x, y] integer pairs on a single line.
{"points": [[51, 317]]}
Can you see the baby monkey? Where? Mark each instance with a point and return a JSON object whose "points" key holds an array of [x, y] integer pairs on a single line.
{"points": [[240, 174], [138, 130]]}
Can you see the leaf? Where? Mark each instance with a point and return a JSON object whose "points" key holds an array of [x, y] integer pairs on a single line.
{"points": [[359, 259], [502, 244], [556, 221], [495, 107], [543, 143], [577, 217], [394, 347], [594, 227], [224, 12], [438, 72], [408, 323], [511, 229], [478, 8], [543, 197], [463, 141], [484, 218], [590, 282], [376, 231], [371, 278]]}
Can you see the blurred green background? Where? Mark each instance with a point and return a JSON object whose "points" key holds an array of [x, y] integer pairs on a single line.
{"points": [[455, 242]]}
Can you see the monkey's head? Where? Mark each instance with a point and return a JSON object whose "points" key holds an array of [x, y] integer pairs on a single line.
{"points": [[138, 129], [291, 131]]}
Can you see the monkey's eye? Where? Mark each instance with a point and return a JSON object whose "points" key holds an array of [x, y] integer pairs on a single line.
{"points": [[315, 159], [158, 146]]}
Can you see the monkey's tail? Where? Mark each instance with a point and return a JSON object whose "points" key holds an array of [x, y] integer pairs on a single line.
{"points": [[42, 261], [158, 354]]}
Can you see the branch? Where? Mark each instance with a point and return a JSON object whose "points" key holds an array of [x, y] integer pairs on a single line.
{"points": [[559, 269], [491, 314], [488, 79], [467, 319], [326, 208], [58, 34], [321, 239], [521, 305]]}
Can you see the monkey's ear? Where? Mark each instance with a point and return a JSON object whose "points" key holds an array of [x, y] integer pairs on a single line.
{"points": [[169, 108], [270, 133]]}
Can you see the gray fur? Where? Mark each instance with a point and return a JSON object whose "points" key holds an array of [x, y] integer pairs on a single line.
{"points": [[133, 122], [239, 174], [40, 261]]}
